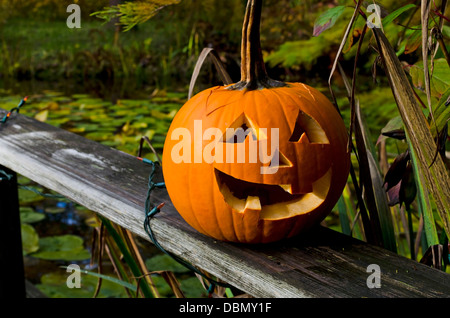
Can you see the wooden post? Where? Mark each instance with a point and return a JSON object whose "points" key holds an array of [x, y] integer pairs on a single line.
{"points": [[12, 274]]}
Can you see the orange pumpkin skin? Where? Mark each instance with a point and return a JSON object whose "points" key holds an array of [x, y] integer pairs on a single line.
{"points": [[316, 172]]}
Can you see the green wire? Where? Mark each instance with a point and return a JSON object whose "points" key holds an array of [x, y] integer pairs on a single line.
{"points": [[151, 211]]}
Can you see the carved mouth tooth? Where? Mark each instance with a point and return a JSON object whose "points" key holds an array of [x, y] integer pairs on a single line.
{"points": [[286, 187], [252, 203]]}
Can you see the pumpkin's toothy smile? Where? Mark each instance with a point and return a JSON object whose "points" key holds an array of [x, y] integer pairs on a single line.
{"points": [[271, 201]]}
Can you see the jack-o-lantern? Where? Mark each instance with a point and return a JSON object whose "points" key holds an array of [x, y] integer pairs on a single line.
{"points": [[259, 160]]}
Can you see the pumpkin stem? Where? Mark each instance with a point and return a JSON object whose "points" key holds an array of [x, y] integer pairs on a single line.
{"points": [[253, 71]]}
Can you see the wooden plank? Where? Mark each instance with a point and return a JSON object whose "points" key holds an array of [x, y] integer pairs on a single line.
{"points": [[321, 263], [12, 279], [32, 291]]}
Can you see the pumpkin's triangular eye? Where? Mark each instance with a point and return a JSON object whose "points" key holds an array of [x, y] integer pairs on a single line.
{"points": [[298, 132], [279, 160], [307, 130], [240, 129]]}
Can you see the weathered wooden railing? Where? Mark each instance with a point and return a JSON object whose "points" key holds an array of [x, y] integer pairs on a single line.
{"points": [[321, 263]]}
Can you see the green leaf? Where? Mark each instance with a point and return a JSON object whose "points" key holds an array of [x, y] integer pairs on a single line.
{"points": [[64, 247], [192, 287], [327, 20], [28, 197], [343, 216], [54, 210], [165, 263], [393, 15], [423, 199], [440, 79], [161, 285], [413, 41], [30, 239], [132, 13], [446, 31], [441, 113], [27, 215], [352, 215], [393, 124], [371, 179], [292, 53], [384, 212]]}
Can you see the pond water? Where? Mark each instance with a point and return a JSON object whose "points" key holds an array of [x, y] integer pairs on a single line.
{"points": [[57, 232]]}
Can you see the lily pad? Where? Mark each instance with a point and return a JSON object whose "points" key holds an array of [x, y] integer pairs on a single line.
{"points": [[64, 247], [99, 118], [62, 112], [111, 143], [192, 288], [90, 102], [57, 122], [139, 125], [159, 115], [161, 285], [42, 115], [28, 197], [85, 127], [80, 96], [132, 102], [54, 285], [30, 239], [62, 99], [165, 263], [28, 215], [23, 180], [98, 135], [168, 106], [77, 117], [121, 112], [54, 210]]}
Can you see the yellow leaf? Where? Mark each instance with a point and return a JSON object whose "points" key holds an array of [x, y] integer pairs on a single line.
{"points": [[126, 127], [42, 116], [53, 106], [172, 114]]}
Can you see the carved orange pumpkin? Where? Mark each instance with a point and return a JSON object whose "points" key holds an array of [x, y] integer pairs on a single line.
{"points": [[210, 159]]}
